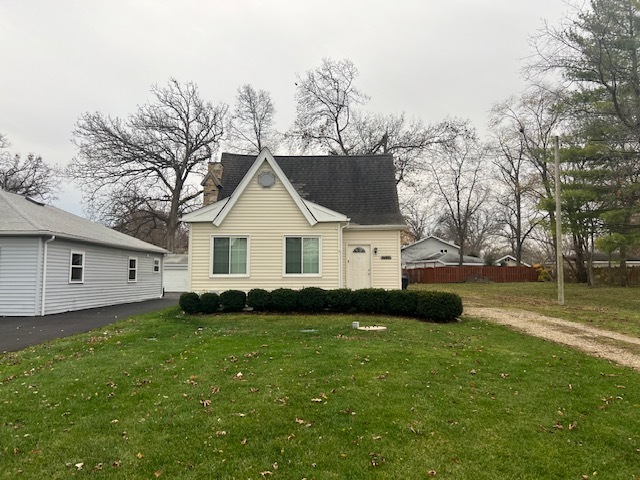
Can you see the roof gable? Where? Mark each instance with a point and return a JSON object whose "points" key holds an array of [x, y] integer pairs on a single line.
{"points": [[264, 156], [361, 187], [20, 216]]}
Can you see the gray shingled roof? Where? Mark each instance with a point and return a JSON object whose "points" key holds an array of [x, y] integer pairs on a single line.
{"points": [[20, 216], [361, 187]]}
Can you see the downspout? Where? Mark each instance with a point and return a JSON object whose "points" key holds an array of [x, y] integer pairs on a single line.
{"points": [[44, 273], [340, 251]]}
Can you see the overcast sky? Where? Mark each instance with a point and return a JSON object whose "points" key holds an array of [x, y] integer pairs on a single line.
{"points": [[428, 58]]}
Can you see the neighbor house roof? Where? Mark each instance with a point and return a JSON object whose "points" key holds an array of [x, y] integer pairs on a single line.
{"points": [[450, 258], [22, 216], [362, 187]]}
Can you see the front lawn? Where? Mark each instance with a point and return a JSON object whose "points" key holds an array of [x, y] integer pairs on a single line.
{"points": [[272, 396]]}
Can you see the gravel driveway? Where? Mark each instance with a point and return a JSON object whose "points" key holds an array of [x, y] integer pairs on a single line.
{"points": [[617, 347]]}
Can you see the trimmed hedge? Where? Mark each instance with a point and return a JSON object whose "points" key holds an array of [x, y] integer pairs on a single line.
{"points": [[210, 302], [190, 303], [285, 299], [340, 300], [233, 300], [312, 299], [260, 299], [433, 306], [438, 306]]}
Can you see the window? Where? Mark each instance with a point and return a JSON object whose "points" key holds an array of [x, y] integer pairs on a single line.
{"points": [[76, 267], [302, 255], [156, 265], [133, 269], [229, 255]]}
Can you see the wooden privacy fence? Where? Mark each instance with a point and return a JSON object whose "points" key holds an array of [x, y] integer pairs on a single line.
{"points": [[464, 274]]}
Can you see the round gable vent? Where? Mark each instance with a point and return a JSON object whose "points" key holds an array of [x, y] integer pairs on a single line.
{"points": [[266, 179]]}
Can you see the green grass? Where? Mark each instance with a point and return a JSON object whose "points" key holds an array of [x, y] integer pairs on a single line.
{"points": [[239, 396], [612, 308]]}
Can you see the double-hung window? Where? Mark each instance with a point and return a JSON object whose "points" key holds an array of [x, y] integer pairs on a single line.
{"points": [[76, 267], [230, 255], [302, 255], [133, 269], [156, 265]]}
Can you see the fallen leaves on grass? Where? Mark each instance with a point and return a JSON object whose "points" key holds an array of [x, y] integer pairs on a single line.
{"points": [[300, 421]]}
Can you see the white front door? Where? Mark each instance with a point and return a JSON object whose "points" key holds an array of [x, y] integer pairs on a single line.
{"points": [[358, 266]]}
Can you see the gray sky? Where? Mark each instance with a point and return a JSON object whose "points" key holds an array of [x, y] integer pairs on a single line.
{"points": [[428, 58]]}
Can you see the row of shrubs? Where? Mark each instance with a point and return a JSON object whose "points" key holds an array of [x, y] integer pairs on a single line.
{"points": [[434, 306]]}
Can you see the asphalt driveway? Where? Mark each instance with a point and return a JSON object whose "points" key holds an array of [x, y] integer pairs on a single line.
{"points": [[20, 332]]}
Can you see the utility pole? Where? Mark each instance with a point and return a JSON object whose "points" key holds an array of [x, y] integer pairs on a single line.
{"points": [[559, 259]]}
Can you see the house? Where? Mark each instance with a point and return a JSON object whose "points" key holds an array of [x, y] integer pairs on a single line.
{"points": [[296, 221], [509, 261], [433, 252], [175, 274], [52, 261]]}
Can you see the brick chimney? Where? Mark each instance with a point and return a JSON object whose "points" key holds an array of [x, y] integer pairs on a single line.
{"points": [[212, 183]]}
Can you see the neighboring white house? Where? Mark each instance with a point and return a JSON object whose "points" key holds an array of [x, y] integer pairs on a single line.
{"points": [[294, 222], [433, 252], [176, 272], [52, 261], [509, 261]]}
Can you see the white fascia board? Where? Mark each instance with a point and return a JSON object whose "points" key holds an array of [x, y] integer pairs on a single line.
{"points": [[264, 156], [376, 227], [324, 214], [205, 214], [432, 236]]}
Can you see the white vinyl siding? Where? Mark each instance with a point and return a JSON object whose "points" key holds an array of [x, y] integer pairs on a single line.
{"points": [[266, 215], [20, 272], [385, 272], [105, 277]]}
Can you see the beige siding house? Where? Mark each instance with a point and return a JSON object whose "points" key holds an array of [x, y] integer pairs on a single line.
{"points": [[294, 222]]}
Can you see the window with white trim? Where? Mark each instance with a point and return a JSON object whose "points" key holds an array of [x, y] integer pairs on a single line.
{"points": [[76, 267], [156, 265], [302, 255], [229, 255], [133, 269]]}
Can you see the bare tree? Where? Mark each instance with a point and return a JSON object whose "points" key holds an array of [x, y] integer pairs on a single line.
{"points": [[517, 205], [329, 120], [417, 210], [251, 126], [30, 176], [153, 154], [410, 142], [326, 98], [458, 177]]}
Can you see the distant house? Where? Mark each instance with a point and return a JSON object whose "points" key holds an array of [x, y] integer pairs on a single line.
{"points": [[433, 252], [509, 261], [601, 260], [52, 261], [296, 221]]}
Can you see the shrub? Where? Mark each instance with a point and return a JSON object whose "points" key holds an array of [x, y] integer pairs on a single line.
{"points": [[370, 300], [401, 302], [210, 302], [260, 299], [233, 300], [340, 300], [312, 299], [438, 306], [285, 299], [190, 303]]}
